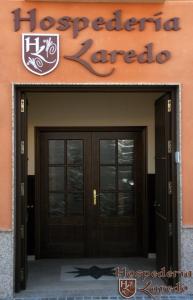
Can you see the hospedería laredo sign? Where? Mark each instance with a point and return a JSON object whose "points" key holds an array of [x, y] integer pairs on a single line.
{"points": [[40, 51]]}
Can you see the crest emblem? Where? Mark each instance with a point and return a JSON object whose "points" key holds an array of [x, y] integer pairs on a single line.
{"points": [[40, 52], [127, 287]]}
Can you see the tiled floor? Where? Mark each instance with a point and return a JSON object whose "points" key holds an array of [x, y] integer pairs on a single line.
{"points": [[85, 279]]}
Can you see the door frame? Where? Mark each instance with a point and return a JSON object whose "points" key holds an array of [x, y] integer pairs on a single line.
{"points": [[174, 89], [140, 129]]}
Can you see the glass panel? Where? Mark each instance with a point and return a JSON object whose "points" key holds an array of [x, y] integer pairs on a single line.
{"points": [[125, 151], [126, 204], [108, 204], [56, 178], [107, 151], [75, 178], [56, 152], [107, 178], [125, 175], [74, 152], [56, 204], [75, 204]]}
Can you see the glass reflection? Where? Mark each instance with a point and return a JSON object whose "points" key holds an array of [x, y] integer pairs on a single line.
{"points": [[125, 151], [74, 152], [75, 203], [56, 151], [56, 204], [125, 174], [107, 178], [56, 178], [107, 151], [75, 178], [108, 204]]}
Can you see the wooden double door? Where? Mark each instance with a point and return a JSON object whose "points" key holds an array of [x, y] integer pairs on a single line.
{"points": [[90, 192]]}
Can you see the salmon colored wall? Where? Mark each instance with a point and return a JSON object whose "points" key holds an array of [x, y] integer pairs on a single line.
{"points": [[178, 69]]}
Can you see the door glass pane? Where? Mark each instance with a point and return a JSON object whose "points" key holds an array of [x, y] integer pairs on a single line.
{"points": [[74, 152], [125, 151], [56, 204], [107, 178], [126, 204], [125, 175], [56, 178], [56, 152], [108, 204], [107, 151], [75, 178], [75, 203]]}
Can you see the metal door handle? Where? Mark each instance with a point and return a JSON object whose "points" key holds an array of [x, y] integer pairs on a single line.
{"points": [[94, 197], [156, 204]]}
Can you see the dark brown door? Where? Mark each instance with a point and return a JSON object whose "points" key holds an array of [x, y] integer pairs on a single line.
{"points": [[64, 180], [163, 164], [117, 172], [31, 215], [21, 190], [91, 193]]}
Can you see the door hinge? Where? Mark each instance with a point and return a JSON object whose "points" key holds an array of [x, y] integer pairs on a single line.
{"points": [[177, 157], [21, 274], [22, 188], [169, 105], [22, 147], [22, 232], [169, 187], [170, 229], [169, 146], [22, 105]]}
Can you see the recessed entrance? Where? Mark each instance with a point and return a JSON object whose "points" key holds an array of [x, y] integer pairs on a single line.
{"points": [[102, 177], [89, 199]]}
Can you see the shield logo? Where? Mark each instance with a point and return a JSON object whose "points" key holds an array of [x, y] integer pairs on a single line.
{"points": [[40, 52], [127, 287]]}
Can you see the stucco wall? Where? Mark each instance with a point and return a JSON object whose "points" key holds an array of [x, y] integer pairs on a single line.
{"points": [[178, 69]]}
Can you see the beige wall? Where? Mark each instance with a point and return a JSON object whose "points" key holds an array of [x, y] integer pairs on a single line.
{"points": [[92, 109]]}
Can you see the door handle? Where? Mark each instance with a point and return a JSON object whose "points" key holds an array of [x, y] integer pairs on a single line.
{"points": [[94, 197]]}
